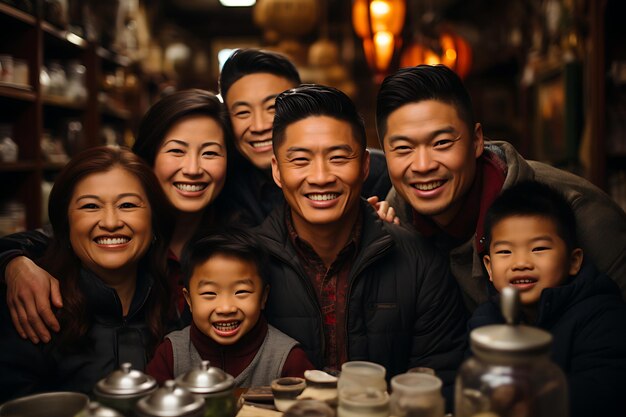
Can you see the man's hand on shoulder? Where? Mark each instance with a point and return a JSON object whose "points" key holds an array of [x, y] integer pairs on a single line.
{"points": [[30, 290]]}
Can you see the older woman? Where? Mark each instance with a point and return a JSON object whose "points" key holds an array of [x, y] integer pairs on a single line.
{"points": [[183, 137], [111, 225]]}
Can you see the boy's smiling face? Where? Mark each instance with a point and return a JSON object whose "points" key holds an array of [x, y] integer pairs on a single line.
{"points": [[226, 296], [526, 252]]}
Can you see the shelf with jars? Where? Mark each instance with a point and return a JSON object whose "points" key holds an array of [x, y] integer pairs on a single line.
{"points": [[62, 89]]}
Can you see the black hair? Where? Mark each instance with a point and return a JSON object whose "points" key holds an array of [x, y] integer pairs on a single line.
{"points": [[232, 241], [532, 198], [244, 62], [315, 100], [423, 82], [166, 112]]}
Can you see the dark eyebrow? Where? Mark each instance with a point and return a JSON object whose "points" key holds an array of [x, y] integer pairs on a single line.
{"points": [[205, 281], [119, 197], [183, 143], [245, 103], [432, 135], [294, 149]]}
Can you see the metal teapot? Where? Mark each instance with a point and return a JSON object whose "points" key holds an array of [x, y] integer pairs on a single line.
{"points": [[216, 386], [122, 388]]}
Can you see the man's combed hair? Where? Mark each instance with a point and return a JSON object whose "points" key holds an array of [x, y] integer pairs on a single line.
{"points": [[244, 62], [315, 100], [235, 242], [534, 199], [424, 82]]}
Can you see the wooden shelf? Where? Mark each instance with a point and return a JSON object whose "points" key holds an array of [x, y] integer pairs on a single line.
{"points": [[19, 166], [62, 102], [17, 92], [64, 36], [17, 14], [119, 60]]}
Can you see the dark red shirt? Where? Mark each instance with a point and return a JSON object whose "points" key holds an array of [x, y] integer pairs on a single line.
{"points": [[331, 287], [233, 359]]}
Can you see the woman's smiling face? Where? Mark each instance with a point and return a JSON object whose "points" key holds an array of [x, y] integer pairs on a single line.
{"points": [[110, 222], [191, 163]]}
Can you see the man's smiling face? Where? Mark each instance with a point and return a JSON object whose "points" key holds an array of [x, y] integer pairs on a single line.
{"points": [[320, 167], [250, 102], [431, 155]]}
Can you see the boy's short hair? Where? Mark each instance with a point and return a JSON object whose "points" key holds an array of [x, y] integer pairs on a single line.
{"points": [[244, 62], [532, 198], [420, 83], [315, 100], [234, 242]]}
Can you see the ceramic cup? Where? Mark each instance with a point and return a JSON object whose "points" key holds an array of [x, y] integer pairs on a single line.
{"points": [[285, 391]]}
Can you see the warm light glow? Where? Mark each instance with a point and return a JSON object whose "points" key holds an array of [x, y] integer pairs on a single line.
{"points": [[451, 54], [379, 23], [379, 8], [237, 3], [383, 44]]}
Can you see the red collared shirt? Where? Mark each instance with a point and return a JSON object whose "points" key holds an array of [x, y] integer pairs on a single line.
{"points": [[331, 287]]}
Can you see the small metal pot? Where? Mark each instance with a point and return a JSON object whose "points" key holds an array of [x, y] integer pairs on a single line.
{"points": [[170, 401], [51, 404], [122, 388], [216, 386]]}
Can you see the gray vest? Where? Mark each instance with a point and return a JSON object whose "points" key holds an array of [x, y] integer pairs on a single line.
{"points": [[266, 365]]}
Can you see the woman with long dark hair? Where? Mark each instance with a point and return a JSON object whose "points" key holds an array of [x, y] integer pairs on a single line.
{"points": [[184, 138], [112, 224]]}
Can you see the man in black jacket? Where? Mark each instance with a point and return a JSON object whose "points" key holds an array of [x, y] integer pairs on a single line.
{"points": [[345, 284]]}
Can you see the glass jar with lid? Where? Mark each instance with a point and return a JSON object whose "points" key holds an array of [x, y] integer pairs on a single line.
{"points": [[511, 373]]}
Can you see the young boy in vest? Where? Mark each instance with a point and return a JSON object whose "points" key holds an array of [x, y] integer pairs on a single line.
{"points": [[226, 290], [531, 245]]}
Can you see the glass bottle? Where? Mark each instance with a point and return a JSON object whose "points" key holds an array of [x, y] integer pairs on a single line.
{"points": [[511, 373]]}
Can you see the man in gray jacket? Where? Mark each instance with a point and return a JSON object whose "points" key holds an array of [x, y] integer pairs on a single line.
{"points": [[445, 176]]}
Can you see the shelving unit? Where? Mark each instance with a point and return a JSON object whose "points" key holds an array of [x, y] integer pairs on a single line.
{"points": [[32, 114]]}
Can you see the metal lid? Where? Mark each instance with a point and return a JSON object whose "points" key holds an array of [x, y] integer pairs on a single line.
{"points": [[170, 400], [125, 382], [94, 409], [510, 338], [206, 379]]}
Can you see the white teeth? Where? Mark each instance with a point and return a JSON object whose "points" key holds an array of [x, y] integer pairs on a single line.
{"points": [[322, 197], [190, 187], [523, 281], [428, 186], [225, 327], [262, 144], [112, 240]]}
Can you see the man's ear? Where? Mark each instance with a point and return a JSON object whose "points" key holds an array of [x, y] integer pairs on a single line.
{"points": [[487, 263], [479, 141], [266, 293], [575, 261], [187, 297], [366, 164], [276, 172]]}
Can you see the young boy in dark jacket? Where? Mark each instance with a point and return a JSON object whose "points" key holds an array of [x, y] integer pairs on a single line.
{"points": [[226, 290], [531, 241]]}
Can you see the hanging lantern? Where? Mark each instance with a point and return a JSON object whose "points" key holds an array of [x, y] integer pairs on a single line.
{"points": [[379, 24], [453, 51]]}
